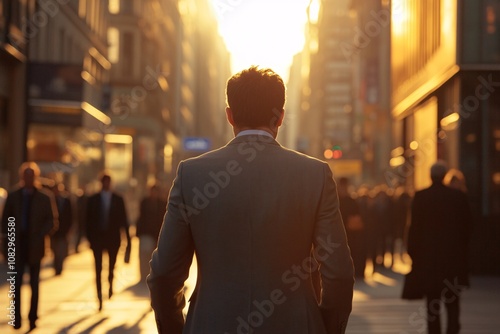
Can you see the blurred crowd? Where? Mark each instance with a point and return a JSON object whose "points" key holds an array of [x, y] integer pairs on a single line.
{"points": [[377, 221]]}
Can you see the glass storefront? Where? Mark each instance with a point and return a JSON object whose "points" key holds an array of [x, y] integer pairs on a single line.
{"points": [[67, 154]]}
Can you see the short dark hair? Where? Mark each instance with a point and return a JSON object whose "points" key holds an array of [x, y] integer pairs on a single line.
{"points": [[438, 171], [256, 97]]}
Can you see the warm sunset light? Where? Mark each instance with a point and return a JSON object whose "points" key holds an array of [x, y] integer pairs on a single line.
{"points": [[262, 32]]}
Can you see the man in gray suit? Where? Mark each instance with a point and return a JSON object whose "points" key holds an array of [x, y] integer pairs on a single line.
{"points": [[253, 212]]}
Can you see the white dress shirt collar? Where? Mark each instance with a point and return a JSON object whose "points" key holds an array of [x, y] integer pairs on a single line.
{"points": [[254, 132]]}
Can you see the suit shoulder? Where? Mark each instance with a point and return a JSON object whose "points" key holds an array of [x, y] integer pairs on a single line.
{"points": [[307, 159], [14, 190], [203, 156]]}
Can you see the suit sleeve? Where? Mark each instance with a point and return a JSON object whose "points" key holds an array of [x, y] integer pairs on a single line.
{"points": [[170, 264], [333, 254]]}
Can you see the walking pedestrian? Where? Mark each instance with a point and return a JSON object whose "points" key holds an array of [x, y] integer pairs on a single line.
{"points": [[438, 246], [106, 218], [29, 215]]}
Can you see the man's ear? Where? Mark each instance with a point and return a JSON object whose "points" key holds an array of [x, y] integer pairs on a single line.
{"points": [[281, 116], [229, 115]]}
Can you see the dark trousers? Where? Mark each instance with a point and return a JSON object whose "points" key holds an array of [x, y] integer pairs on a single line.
{"points": [[112, 253], [59, 247], [452, 304], [34, 270]]}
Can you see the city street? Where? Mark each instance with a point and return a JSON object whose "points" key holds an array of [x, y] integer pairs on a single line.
{"points": [[68, 303]]}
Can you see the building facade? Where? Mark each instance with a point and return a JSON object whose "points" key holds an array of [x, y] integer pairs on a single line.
{"points": [[445, 105], [302, 81], [205, 68], [117, 85], [169, 67], [369, 50], [13, 68], [345, 110], [57, 66], [144, 52], [328, 97]]}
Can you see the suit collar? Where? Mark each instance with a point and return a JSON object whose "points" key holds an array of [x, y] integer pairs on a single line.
{"points": [[253, 138]]}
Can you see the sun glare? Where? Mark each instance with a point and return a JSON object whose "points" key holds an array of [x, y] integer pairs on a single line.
{"points": [[267, 33]]}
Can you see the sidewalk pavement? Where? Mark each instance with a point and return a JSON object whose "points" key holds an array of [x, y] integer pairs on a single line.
{"points": [[68, 303], [378, 308]]}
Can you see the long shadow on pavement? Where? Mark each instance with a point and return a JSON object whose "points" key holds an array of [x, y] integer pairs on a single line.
{"points": [[93, 326], [135, 329], [66, 329]]}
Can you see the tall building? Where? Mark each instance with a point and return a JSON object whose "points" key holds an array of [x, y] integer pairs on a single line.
{"points": [[13, 65], [303, 81], [445, 105], [205, 68], [144, 51], [166, 91], [335, 134], [335, 76], [369, 52], [55, 105]]}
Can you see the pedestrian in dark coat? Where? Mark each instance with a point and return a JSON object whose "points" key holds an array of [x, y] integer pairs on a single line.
{"points": [[106, 217], [29, 215], [438, 245]]}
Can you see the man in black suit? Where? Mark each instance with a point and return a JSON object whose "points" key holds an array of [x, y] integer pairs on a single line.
{"points": [[438, 245], [29, 215], [106, 216]]}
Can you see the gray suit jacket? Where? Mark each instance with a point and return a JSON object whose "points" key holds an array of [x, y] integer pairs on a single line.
{"points": [[252, 212]]}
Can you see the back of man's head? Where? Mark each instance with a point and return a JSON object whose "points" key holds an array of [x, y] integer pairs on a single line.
{"points": [[438, 171], [256, 97]]}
